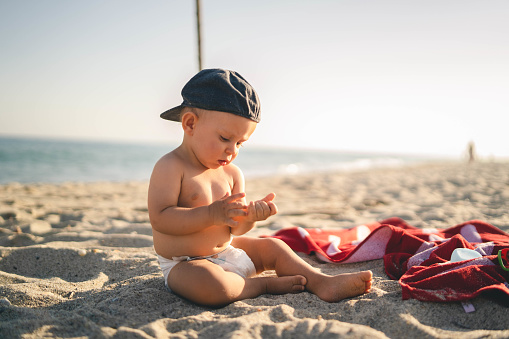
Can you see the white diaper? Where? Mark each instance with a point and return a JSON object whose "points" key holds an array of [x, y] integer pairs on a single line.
{"points": [[231, 259]]}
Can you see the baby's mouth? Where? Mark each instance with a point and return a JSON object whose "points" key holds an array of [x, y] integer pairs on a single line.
{"points": [[223, 162]]}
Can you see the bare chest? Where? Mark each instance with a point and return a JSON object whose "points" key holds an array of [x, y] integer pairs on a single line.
{"points": [[203, 189]]}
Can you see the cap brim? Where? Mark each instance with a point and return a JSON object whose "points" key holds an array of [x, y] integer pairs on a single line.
{"points": [[172, 114]]}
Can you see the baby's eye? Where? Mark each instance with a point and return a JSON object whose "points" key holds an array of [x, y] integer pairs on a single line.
{"points": [[223, 138], [239, 144]]}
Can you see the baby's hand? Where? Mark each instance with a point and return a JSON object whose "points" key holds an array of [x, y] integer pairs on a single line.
{"points": [[225, 209], [261, 209]]}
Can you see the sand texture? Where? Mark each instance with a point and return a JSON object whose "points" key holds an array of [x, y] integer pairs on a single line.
{"points": [[76, 260]]}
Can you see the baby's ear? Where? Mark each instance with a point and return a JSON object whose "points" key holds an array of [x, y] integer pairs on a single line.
{"points": [[189, 120]]}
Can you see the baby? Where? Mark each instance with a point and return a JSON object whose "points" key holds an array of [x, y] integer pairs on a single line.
{"points": [[198, 210]]}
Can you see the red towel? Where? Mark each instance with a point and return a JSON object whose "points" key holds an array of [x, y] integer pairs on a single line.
{"points": [[418, 257]]}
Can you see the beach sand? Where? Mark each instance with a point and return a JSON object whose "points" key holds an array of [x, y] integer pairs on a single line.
{"points": [[76, 260]]}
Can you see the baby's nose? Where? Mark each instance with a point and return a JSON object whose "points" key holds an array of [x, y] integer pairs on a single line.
{"points": [[231, 150]]}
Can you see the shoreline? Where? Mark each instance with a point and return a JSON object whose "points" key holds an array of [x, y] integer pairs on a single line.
{"points": [[76, 259]]}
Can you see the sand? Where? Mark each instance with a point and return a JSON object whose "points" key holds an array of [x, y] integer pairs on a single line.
{"points": [[76, 260]]}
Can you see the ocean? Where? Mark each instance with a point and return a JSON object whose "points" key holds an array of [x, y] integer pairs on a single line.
{"points": [[26, 160]]}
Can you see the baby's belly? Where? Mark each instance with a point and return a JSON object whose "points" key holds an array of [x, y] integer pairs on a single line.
{"points": [[209, 241]]}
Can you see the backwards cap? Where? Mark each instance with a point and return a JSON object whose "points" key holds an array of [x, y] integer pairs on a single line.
{"points": [[218, 90]]}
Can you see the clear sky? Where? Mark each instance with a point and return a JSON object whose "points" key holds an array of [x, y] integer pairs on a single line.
{"points": [[424, 77]]}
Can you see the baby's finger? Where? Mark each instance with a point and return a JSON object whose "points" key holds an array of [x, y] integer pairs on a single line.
{"points": [[251, 208], [269, 197], [273, 208], [235, 197], [236, 206], [262, 210]]}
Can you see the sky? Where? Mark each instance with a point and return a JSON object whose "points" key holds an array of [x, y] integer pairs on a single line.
{"points": [[407, 77]]}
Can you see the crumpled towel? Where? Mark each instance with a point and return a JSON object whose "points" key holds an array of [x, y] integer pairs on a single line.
{"points": [[419, 258]]}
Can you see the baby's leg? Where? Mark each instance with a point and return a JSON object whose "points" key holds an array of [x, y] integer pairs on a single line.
{"points": [[206, 283], [274, 254]]}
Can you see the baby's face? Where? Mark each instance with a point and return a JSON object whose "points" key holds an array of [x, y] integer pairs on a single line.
{"points": [[219, 136]]}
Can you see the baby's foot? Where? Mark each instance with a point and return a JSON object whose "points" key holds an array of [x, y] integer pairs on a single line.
{"points": [[286, 284], [347, 285]]}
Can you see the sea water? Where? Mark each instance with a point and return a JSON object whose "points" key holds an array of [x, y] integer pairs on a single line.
{"points": [[55, 161]]}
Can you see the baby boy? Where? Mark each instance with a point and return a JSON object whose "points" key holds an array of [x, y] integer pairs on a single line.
{"points": [[199, 213]]}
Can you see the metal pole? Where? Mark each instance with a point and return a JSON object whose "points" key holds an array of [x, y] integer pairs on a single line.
{"points": [[199, 33]]}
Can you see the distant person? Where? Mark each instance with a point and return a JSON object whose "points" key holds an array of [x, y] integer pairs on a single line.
{"points": [[471, 152], [196, 204]]}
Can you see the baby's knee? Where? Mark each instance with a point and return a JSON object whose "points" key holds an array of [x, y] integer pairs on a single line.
{"points": [[272, 244]]}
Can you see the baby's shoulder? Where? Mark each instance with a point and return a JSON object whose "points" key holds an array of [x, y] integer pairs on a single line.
{"points": [[170, 162], [234, 172]]}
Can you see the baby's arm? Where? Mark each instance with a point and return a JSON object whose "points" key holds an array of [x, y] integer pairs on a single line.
{"points": [[169, 218], [256, 210]]}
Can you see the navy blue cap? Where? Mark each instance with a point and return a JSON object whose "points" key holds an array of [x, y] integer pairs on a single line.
{"points": [[218, 90]]}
